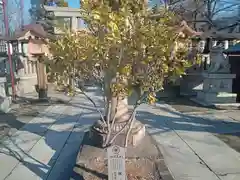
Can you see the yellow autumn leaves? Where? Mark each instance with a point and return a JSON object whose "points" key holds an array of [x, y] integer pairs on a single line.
{"points": [[125, 42]]}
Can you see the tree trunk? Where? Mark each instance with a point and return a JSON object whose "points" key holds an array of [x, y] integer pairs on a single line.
{"points": [[118, 119]]}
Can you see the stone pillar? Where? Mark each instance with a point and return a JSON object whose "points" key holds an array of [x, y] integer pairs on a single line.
{"points": [[214, 43], [32, 71], [21, 71], [28, 67], [25, 66], [34, 67], [20, 47], [74, 23], [226, 44]]}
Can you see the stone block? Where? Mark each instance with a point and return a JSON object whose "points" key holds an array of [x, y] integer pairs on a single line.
{"points": [[219, 76], [217, 89], [2, 87], [217, 85], [5, 104], [26, 84], [191, 84], [209, 97]]}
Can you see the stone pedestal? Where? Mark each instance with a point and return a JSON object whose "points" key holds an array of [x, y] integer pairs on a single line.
{"points": [[98, 135], [5, 101], [26, 84], [217, 89], [191, 84]]}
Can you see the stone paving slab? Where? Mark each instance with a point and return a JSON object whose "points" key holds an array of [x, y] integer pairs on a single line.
{"points": [[231, 177], [21, 143], [48, 141], [234, 115], [51, 144], [190, 149], [66, 161], [215, 151], [217, 155], [180, 159]]}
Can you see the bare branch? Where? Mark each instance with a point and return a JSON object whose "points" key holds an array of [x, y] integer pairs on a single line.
{"points": [[94, 104]]}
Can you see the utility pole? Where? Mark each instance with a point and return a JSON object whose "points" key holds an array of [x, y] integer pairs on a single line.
{"points": [[6, 23]]}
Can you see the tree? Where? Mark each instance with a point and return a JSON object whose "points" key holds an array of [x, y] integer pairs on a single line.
{"points": [[62, 3], [204, 12], [133, 50], [41, 16], [13, 14]]}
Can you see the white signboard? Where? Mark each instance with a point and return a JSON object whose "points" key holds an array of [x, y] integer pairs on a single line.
{"points": [[116, 163]]}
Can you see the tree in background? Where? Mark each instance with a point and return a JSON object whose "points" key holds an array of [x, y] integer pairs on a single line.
{"points": [[63, 3], [132, 50], [41, 16], [205, 12], [13, 14]]}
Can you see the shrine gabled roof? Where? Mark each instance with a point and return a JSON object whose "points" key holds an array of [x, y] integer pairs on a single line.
{"points": [[233, 49], [34, 29]]}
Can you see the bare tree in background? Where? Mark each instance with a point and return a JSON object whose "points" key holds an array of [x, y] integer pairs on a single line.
{"points": [[13, 12], [204, 11]]}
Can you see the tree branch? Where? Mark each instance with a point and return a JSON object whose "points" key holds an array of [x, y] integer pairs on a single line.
{"points": [[94, 104]]}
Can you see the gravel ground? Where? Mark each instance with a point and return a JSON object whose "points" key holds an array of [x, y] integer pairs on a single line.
{"points": [[136, 169]]}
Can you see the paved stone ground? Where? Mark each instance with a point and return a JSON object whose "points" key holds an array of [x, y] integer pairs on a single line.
{"points": [[46, 147], [197, 142], [184, 105], [189, 107], [25, 110]]}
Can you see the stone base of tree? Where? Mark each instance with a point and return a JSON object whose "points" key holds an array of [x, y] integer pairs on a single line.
{"points": [[98, 133], [143, 161], [42, 94]]}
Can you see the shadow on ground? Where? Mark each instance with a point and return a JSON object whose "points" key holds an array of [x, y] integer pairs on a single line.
{"points": [[227, 131], [183, 104], [172, 121], [10, 144]]}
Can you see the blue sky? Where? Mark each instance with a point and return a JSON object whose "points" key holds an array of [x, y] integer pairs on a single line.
{"points": [[73, 3]]}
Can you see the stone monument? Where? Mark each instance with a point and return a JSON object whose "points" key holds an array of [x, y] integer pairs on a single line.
{"points": [[217, 80]]}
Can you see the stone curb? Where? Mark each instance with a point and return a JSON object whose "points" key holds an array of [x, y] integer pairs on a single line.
{"points": [[160, 167]]}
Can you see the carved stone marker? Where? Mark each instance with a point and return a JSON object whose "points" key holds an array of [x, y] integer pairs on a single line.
{"points": [[116, 163]]}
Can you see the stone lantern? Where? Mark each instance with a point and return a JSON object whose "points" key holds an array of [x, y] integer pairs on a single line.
{"points": [[5, 101], [38, 48]]}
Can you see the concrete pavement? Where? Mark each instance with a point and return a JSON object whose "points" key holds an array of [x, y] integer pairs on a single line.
{"points": [[47, 146], [190, 149]]}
